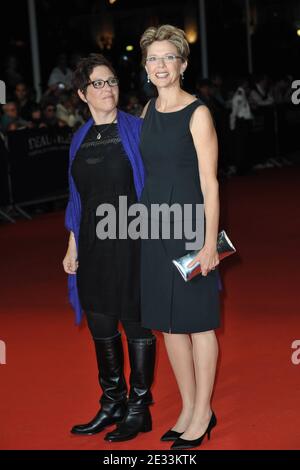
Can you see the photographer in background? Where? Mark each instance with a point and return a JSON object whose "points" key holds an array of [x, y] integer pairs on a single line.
{"points": [[24, 100], [61, 75], [66, 111]]}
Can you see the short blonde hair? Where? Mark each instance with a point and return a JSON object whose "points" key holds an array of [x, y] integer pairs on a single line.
{"points": [[165, 32]]}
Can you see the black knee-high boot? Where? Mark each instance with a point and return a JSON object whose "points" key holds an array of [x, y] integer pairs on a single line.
{"points": [[110, 359], [137, 418]]}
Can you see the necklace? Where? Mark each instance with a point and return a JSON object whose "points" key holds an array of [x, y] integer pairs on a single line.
{"points": [[99, 134]]}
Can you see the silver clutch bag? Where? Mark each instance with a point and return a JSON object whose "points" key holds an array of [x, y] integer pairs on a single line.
{"points": [[224, 248]]}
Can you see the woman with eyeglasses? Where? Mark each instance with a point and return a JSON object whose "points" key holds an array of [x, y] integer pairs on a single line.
{"points": [[104, 273], [179, 149]]}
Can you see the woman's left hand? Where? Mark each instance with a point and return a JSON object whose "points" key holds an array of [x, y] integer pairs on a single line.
{"points": [[208, 259]]}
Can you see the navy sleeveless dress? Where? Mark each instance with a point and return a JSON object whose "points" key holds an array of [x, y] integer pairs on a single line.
{"points": [[168, 303]]}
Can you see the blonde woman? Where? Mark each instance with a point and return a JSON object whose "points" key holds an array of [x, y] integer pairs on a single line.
{"points": [[179, 149]]}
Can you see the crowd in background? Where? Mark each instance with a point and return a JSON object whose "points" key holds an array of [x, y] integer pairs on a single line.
{"points": [[236, 107]]}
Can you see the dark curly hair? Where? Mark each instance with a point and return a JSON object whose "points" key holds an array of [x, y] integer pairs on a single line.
{"points": [[84, 69]]}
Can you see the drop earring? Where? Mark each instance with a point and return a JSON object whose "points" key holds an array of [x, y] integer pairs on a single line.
{"points": [[182, 76], [148, 79]]}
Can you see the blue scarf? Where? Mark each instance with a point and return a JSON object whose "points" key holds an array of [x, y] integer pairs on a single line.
{"points": [[129, 128]]}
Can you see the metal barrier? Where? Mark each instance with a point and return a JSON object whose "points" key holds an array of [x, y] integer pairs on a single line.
{"points": [[34, 169]]}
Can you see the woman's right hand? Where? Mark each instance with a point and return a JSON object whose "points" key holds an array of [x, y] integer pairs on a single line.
{"points": [[70, 262]]}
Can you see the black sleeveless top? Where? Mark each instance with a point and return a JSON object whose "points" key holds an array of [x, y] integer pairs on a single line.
{"points": [[170, 158]]}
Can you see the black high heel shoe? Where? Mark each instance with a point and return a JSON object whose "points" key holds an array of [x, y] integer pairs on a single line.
{"points": [[187, 444], [170, 436]]}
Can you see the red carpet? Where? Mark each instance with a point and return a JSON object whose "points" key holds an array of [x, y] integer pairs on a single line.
{"points": [[50, 382]]}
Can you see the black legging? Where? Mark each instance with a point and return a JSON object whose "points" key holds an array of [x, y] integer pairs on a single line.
{"points": [[105, 326]]}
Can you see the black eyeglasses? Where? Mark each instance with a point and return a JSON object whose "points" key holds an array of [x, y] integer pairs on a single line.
{"points": [[112, 81]]}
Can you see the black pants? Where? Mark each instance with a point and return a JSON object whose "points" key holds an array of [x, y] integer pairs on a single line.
{"points": [[105, 326]]}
